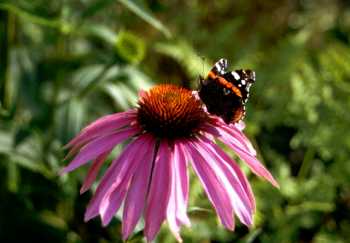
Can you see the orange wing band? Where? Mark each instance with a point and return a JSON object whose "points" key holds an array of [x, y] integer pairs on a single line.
{"points": [[212, 75], [229, 86]]}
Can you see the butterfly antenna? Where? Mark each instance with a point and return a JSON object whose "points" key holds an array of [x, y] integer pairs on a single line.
{"points": [[203, 59], [202, 75]]}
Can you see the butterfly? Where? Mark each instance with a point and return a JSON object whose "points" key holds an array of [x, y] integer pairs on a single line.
{"points": [[225, 94]]}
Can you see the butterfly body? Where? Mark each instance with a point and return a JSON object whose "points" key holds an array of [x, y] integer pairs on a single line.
{"points": [[226, 93]]}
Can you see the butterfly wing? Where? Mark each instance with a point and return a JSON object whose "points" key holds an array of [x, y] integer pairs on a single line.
{"points": [[242, 79], [218, 69], [225, 93]]}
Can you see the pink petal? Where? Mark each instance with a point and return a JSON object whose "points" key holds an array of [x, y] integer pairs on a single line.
{"points": [[233, 135], [115, 174], [135, 200], [103, 125], [242, 152], [127, 121], [242, 197], [174, 225], [91, 176], [238, 198], [182, 182], [239, 125], [241, 176], [158, 196], [256, 166], [176, 211], [236, 132], [211, 178], [99, 146], [112, 201]]}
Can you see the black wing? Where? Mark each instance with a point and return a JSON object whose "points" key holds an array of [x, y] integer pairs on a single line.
{"points": [[220, 67], [242, 79]]}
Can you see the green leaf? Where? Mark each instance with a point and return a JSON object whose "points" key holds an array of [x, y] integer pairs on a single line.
{"points": [[130, 47], [95, 7], [146, 16], [186, 56], [55, 23], [137, 79], [101, 31], [70, 118], [118, 96]]}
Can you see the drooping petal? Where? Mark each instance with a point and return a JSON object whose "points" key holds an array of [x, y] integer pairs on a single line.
{"points": [[107, 129], [241, 176], [158, 196], [92, 173], [115, 174], [213, 182], [112, 201], [256, 167], [234, 130], [236, 138], [116, 194], [99, 146], [253, 163], [182, 180], [136, 197], [174, 225], [176, 211], [236, 177], [238, 198], [103, 125]]}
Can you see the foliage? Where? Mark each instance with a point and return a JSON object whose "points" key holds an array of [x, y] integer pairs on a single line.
{"points": [[65, 63]]}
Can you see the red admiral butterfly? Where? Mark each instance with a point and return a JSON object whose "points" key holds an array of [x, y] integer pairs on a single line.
{"points": [[226, 93]]}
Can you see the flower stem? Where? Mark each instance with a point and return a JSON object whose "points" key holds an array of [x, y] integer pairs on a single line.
{"points": [[307, 162], [9, 30], [30, 17]]}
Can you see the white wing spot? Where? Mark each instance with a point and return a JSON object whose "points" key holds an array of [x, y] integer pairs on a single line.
{"points": [[243, 82], [235, 75], [223, 62]]}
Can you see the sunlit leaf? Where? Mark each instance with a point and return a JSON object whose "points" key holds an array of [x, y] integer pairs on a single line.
{"points": [[186, 56], [146, 16], [130, 47]]}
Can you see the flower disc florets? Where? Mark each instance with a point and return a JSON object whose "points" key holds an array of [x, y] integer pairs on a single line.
{"points": [[169, 111]]}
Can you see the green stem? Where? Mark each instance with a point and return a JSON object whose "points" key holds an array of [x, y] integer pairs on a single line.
{"points": [[91, 86], [307, 162], [95, 82], [10, 37], [30, 17], [12, 176]]}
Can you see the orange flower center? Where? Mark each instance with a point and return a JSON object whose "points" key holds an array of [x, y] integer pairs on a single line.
{"points": [[170, 111]]}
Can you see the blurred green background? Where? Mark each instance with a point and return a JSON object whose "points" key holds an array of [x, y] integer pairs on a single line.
{"points": [[64, 63]]}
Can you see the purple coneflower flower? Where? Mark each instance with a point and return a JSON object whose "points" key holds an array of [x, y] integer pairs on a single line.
{"points": [[169, 130]]}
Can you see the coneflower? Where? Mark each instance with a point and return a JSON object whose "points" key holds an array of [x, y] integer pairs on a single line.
{"points": [[169, 130]]}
